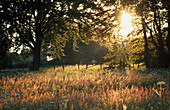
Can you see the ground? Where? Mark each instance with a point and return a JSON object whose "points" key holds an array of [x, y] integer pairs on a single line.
{"points": [[94, 88]]}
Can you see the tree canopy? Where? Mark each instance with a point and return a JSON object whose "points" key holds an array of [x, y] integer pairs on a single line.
{"points": [[151, 21], [48, 25]]}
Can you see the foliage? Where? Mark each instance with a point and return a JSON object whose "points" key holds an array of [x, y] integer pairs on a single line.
{"points": [[6, 60], [120, 54], [150, 38], [154, 17], [5, 44], [83, 89], [94, 50], [48, 25], [85, 53]]}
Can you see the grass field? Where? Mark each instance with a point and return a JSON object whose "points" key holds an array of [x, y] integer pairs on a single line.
{"points": [[91, 89]]}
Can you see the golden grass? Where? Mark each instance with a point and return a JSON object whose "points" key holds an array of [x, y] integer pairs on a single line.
{"points": [[83, 89]]}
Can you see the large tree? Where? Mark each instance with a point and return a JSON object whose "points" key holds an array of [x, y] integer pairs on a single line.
{"points": [[50, 24], [153, 18], [5, 44], [156, 16]]}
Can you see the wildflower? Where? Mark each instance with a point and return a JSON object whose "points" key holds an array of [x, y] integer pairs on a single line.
{"points": [[23, 108], [40, 109], [64, 97], [99, 81], [72, 106], [1, 106], [52, 102], [7, 107], [8, 100], [7, 94], [161, 83], [2, 88], [29, 88], [162, 87], [124, 107], [121, 100], [1, 96], [21, 95]]}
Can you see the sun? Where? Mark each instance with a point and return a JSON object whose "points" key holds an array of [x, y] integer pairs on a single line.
{"points": [[126, 24]]}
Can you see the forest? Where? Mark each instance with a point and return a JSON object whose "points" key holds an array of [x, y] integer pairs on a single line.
{"points": [[35, 27], [84, 54]]}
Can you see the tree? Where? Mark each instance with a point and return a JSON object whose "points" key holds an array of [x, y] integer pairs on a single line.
{"points": [[5, 44], [153, 15], [120, 54], [48, 25], [94, 50], [142, 14], [156, 18], [166, 5]]}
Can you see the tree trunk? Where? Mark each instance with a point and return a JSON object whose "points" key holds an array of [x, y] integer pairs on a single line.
{"points": [[78, 66], [86, 65], [36, 57], [101, 66], [146, 53], [63, 66], [37, 45], [168, 36]]}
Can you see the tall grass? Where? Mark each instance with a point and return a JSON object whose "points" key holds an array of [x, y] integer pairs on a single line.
{"points": [[75, 89]]}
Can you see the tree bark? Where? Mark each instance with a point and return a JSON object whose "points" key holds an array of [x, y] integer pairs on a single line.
{"points": [[163, 54], [146, 51], [101, 66], [37, 45], [168, 36], [36, 57]]}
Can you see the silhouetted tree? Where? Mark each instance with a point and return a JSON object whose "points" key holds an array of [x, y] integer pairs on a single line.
{"points": [[5, 44], [48, 25], [153, 14]]}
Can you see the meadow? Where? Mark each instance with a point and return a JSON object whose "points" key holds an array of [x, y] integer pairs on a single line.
{"points": [[91, 89]]}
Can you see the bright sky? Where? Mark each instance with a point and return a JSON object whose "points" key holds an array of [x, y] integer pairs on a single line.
{"points": [[126, 24]]}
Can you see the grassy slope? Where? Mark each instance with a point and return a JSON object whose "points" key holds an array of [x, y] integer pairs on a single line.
{"points": [[85, 89]]}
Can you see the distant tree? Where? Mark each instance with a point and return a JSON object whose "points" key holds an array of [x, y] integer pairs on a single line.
{"points": [[94, 50], [85, 52], [120, 54], [72, 55]]}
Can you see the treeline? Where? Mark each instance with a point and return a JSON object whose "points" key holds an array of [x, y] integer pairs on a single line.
{"points": [[48, 25], [152, 31], [84, 54]]}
